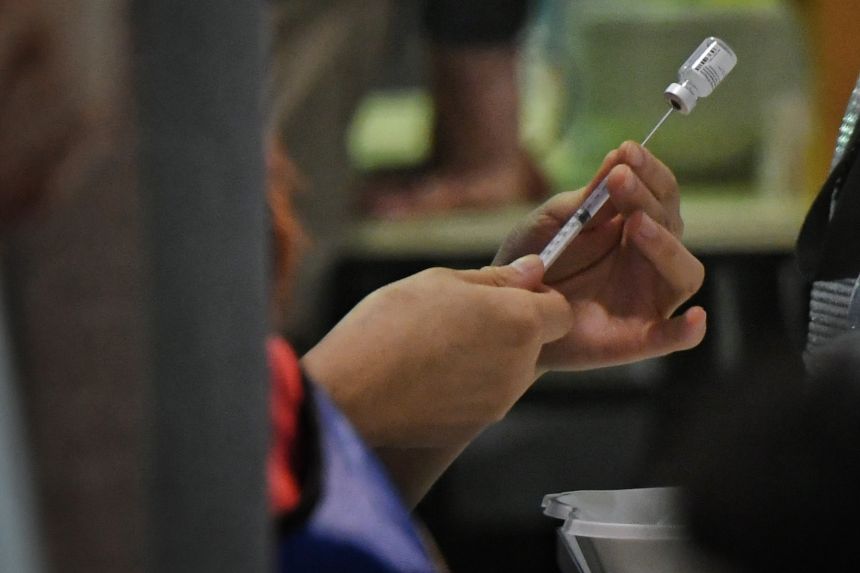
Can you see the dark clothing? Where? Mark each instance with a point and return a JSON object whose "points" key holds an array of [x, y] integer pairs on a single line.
{"points": [[775, 469], [470, 22], [829, 248]]}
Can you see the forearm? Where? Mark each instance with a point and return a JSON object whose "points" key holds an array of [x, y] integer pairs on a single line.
{"points": [[415, 470]]}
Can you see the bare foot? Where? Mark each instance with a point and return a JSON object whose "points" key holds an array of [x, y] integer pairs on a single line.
{"points": [[426, 191]]}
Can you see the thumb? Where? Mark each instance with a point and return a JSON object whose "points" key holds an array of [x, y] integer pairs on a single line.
{"points": [[525, 273]]}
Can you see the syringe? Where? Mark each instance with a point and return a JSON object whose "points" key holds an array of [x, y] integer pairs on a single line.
{"points": [[699, 75]]}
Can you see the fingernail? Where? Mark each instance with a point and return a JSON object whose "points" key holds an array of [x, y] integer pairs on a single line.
{"points": [[628, 184], [635, 157], [648, 228], [527, 264]]}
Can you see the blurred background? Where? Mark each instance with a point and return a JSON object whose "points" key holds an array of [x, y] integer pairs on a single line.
{"points": [[749, 160]]}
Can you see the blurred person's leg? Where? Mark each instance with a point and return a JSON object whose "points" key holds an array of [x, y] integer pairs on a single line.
{"points": [[138, 303], [71, 264], [477, 160]]}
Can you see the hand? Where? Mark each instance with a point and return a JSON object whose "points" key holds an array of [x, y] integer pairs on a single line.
{"points": [[626, 273], [433, 359]]}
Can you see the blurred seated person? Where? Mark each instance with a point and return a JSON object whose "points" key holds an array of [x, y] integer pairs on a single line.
{"points": [[774, 482], [55, 123], [420, 367]]}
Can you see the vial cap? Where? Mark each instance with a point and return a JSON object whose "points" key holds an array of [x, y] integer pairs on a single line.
{"points": [[681, 98]]}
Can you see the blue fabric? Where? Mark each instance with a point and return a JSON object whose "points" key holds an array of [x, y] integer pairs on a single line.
{"points": [[360, 523]]}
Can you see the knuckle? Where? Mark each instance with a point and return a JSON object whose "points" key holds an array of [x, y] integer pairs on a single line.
{"points": [[695, 280], [565, 311], [619, 180], [673, 181], [666, 250], [497, 414], [668, 190], [434, 273], [395, 293], [627, 149], [700, 275], [557, 210], [662, 219], [496, 275], [611, 157], [523, 324], [488, 408]]}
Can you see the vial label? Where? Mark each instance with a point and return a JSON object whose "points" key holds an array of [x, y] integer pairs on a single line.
{"points": [[708, 66], [711, 73]]}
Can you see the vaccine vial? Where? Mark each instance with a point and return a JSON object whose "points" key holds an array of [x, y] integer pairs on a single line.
{"points": [[700, 74]]}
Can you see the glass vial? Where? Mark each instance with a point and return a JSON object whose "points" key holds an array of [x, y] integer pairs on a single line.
{"points": [[700, 74]]}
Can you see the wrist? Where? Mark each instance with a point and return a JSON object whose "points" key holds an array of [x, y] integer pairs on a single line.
{"points": [[328, 373]]}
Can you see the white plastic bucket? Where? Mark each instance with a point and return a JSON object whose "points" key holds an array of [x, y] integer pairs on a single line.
{"points": [[624, 531]]}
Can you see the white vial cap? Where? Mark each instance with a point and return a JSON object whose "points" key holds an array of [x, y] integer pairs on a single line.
{"points": [[681, 98]]}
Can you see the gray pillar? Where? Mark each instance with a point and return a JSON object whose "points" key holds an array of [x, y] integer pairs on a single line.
{"points": [[198, 80]]}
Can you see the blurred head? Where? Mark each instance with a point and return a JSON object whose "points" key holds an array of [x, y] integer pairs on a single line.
{"points": [[35, 133], [59, 96], [288, 238]]}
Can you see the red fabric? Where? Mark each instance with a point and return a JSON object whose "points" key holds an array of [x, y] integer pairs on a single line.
{"points": [[284, 463]]}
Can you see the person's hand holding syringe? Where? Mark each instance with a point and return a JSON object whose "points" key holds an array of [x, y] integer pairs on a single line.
{"points": [[698, 76]]}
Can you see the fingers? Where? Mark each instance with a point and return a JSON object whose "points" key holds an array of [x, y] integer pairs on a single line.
{"points": [[590, 247], [524, 273], [682, 272], [642, 183], [555, 315], [653, 172], [551, 314], [558, 209], [629, 194], [608, 211], [679, 333], [636, 181]]}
